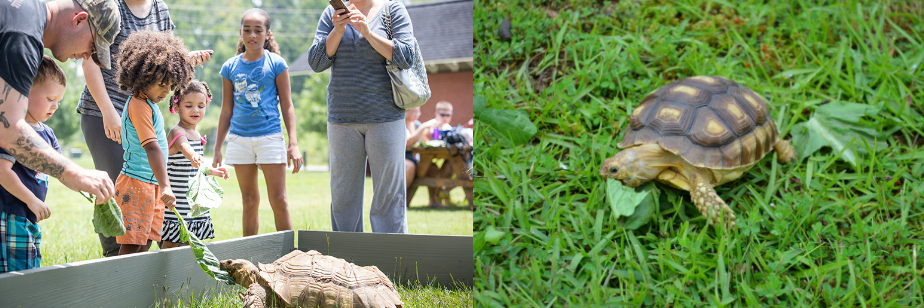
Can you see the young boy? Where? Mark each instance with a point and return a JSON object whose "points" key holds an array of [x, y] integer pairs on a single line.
{"points": [[439, 196], [22, 190]]}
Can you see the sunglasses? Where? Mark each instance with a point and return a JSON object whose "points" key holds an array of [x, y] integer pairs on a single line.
{"points": [[445, 114]]}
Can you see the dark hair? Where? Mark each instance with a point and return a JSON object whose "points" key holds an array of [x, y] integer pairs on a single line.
{"points": [[270, 43], [194, 86], [150, 57], [49, 70]]}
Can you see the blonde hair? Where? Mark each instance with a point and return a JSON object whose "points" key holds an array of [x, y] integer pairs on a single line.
{"points": [[444, 105]]}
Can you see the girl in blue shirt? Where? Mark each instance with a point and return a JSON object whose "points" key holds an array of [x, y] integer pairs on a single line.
{"points": [[255, 91]]}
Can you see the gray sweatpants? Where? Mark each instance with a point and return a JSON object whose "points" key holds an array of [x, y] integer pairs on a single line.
{"points": [[107, 156], [383, 144]]}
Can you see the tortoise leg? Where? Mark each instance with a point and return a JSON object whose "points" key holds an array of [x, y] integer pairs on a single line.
{"points": [[708, 202], [674, 179], [784, 151]]}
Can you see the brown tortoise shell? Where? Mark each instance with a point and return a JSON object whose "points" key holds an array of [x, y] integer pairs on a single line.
{"points": [[709, 121]]}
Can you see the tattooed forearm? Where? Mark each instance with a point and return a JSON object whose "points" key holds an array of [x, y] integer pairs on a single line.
{"points": [[6, 124], [34, 152]]}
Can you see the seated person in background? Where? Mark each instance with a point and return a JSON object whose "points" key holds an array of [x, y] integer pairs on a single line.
{"points": [[441, 120], [416, 132], [23, 190]]}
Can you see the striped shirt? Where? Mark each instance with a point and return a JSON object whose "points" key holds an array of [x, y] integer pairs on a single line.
{"points": [[180, 170], [158, 19], [360, 89]]}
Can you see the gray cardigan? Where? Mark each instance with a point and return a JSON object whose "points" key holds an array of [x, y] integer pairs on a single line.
{"points": [[360, 89]]}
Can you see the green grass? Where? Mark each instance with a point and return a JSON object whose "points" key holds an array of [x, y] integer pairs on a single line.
{"points": [[817, 232], [68, 235]]}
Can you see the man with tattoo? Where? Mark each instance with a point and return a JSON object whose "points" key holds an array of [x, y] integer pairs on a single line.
{"points": [[71, 29]]}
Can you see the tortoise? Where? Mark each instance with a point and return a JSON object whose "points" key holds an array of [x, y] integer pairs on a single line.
{"points": [[311, 279], [695, 134]]}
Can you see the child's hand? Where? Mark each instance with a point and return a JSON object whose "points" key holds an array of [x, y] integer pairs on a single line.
{"points": [[168, 198], [220, 171], [216, 160], [294, 159], [40, 210], [197, 161]]}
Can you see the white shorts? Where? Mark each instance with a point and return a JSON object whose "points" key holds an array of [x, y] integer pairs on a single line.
{"points": [[268, 149]]}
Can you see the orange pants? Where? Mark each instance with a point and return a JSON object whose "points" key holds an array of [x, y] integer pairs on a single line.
{"points": [[142, 210]]}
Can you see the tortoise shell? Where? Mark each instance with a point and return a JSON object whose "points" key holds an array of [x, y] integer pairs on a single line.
{"points": [[312, 279], [709, 121]]}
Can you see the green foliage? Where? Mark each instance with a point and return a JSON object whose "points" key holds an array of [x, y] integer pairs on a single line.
{"points": [[838, 126], [623, 199], [204, 192], [207, 261], [107, 217], [819, 232], [511, 124]]}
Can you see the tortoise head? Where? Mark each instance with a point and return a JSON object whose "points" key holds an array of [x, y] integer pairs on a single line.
{"points": [[243, 272], [634, 166]]}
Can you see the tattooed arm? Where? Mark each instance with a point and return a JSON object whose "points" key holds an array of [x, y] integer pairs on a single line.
{"points": [[22, 142]]}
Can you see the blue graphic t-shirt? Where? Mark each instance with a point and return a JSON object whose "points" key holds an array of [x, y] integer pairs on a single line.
{"points": [[36, 182], [256, 101]]}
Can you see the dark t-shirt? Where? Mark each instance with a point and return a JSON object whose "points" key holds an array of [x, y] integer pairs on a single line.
{"points": [[36, 182], [22, 23]]}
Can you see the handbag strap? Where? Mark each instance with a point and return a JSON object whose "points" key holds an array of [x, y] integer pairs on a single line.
{"points": [[386, 17]]}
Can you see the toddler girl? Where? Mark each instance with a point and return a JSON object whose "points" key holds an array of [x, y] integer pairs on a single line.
{"points": [[185, 150]]}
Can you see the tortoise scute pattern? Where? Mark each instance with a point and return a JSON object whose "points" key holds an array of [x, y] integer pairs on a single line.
{"points": [[709, 121], [312, 279]]}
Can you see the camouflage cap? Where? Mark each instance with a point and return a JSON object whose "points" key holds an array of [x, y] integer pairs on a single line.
{"points": [[106, 20]]}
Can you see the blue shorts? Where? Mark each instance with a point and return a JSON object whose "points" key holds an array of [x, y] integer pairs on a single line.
{"points": [[19, 243]]}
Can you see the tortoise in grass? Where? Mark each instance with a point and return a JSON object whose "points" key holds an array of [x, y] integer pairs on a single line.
{"points": [[694, 134], [310, 279]]}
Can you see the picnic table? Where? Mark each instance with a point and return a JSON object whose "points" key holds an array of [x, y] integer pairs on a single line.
{"points": [[455, 157]]}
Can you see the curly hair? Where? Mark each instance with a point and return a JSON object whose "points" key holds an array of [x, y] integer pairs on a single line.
{"points": [[150, 57], [270, 43], [194, 86]]}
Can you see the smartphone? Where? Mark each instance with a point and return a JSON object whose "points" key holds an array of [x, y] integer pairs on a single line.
{"points": [[338, 4]]}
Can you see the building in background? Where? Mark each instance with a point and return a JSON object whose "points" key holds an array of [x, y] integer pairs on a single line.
{"points": [[444, 31]]}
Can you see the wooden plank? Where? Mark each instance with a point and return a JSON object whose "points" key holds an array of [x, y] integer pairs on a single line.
{"points": [[134, 280], [443, 259]]}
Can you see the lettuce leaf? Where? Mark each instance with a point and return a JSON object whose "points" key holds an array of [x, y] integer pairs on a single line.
{"points": [[107, 217], [207, 261], [204, 193]]}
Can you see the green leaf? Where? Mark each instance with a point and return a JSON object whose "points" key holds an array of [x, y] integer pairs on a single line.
{"points": [[645, 209], [107, 217], [623, 199], [479, 106], [837, 125], [204, 192], [512, 124], [492, 235], [207, 261]]}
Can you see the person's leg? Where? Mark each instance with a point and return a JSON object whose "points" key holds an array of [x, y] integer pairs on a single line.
{"points": [[434, 192], [409, 169], [107, 156], [275, 175], [250, 193], [347, 176], [384, 143], [168, 244]]}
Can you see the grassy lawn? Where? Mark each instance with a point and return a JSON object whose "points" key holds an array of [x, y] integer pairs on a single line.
{"points": [[68, 236], [822, 231]]}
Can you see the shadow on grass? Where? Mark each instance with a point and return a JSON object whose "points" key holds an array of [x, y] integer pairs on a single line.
{"points": [[448, 208]]}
